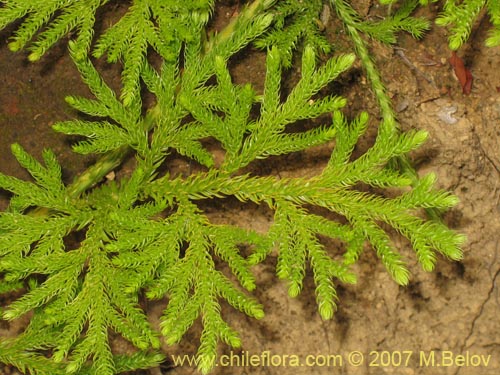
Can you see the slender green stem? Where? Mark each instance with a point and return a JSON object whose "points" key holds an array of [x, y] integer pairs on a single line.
{"points": [[348, 16], [389, 125]]}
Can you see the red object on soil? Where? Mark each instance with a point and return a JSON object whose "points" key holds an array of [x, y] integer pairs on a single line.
{"points": [[463, 74]]}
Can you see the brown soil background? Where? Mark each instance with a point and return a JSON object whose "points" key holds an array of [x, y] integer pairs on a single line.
{"points": [[453, 308]]}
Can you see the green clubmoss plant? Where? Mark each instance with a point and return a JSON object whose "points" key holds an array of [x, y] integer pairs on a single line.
{"points": [[462, 15], [146, 235]]}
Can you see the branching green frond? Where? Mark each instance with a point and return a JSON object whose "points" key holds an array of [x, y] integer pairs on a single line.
{"points": [[296, 233], [49, 177], [88, 296], [370, 167], [461, 16], [82, 296], [15, 354], [89, 254], [248, 31], [20, 240], [125, 116], [196, 151], [266, 137], [295, 21], [226, 240], [103, 136], [61, 16], [424, 195], [197, 291], [386, 30], [289, 143], [132, 323], [43, 294], [78, 15], [48, 191], [311, 84], [334, 191], [347, 135], [144, 257], [88, 106], [224, 45], [381, 242], [272, 94], [129, 39], [237, 104], [146, 23], [44, 255], [363, 168]]}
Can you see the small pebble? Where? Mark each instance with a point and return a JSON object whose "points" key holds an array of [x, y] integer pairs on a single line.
{"points": [[402, 105], [445, 114]]}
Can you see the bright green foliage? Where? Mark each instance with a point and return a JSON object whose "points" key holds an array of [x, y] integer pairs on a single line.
{"points": [[494, 13], [295, 21], [130, 38], [385, 30], [62, 17], [463, 14], [83, 256]]}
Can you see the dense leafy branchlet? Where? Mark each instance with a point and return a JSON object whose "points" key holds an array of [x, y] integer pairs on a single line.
{"points": [[147, 233], [462, 15]]}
